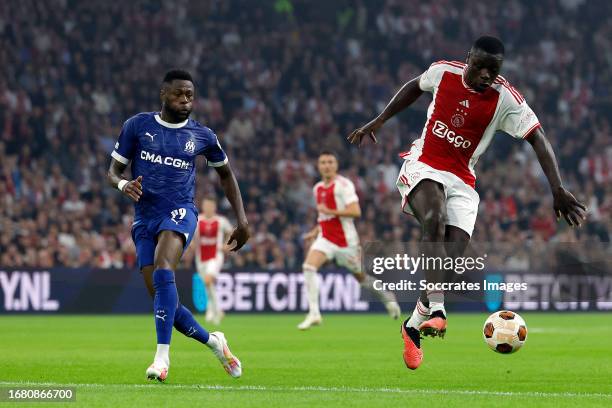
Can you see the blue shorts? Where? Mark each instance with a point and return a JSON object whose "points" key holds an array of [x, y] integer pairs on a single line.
{"points": [[145, 231]]}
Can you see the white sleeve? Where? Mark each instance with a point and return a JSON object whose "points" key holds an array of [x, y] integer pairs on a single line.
{"points": [[518, 120], [226, 226], [348, 193], [430, 79]]}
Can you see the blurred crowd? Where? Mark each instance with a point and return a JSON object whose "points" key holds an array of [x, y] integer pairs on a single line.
{"points": [[279, 81]]}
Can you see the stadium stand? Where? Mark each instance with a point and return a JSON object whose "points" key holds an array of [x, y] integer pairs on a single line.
{"points": [[278, 85]]}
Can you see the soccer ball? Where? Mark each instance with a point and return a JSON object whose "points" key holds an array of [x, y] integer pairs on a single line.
{"points": [[505, 332]]}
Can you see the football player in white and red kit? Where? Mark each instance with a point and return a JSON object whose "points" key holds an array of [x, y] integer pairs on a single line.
{"points": [[210, 237], [335, 237], [471, 102]]}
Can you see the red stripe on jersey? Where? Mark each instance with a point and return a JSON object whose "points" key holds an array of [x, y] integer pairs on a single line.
{"points": [[504, 82], [208, 230], [405, 154], [440, 62], [531, 129], [331, 226], [456, 64], [517, 96], [454, 131]]}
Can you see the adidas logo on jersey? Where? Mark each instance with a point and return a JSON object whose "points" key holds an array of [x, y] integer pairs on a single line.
{"points": [[465, 103]]}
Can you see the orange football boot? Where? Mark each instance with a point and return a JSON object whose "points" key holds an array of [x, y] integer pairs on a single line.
{"points": [[413, 355], [435, 326]]}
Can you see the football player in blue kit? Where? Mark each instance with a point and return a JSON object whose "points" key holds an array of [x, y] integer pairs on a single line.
{"points": [[162, 147]]}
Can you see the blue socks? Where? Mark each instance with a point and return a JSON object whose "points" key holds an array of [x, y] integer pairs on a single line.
{"points": [[169, 312], [186, 324], [165, 304]]}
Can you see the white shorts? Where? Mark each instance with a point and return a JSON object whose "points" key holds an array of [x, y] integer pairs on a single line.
{"points": [[211, 267], [348, 257], [461, 199]]}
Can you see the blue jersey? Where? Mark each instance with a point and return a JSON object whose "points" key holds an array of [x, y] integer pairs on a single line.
{"points": [[164, 155]]}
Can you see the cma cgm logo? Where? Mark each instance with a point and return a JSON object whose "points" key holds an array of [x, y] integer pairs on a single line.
{"points": [[168, 161], [27, 291], [442, 131]]}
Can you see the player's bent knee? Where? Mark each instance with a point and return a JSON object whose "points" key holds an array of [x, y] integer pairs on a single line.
{"points": [[315, 258], [163, 263], [309, 268]]}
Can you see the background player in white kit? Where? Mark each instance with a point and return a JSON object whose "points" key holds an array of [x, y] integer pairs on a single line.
{"points": [[336, 238], [212, 232], [471, 102]]}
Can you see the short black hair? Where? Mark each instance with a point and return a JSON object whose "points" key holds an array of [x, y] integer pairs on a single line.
{"points": [[328, 153], [177, 74], [489, 44]]}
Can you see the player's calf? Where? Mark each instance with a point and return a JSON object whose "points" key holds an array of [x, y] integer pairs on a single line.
{"points": [[311, 283], [311, 286], [185, 323], [165, 303]]}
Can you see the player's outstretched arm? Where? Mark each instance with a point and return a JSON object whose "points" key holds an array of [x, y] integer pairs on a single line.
{"points": [[132, 189], [230, 186], [405, 97], [564, 202]]}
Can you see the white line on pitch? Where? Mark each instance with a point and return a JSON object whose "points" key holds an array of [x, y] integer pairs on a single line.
{"points": [[213, 387]]}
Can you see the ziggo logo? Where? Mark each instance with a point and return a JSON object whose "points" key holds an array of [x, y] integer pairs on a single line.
{"points": [[442, 131]]}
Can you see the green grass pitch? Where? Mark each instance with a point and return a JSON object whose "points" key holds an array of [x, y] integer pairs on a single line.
{"points": [[351, 360]]}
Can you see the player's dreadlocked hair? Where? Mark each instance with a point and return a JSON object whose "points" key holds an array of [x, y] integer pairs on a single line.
{"points": [[177, 74], [488, 44]]}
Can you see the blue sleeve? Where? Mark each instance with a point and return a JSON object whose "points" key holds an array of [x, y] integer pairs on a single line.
{"points": [[213, 152], [126, 145]]}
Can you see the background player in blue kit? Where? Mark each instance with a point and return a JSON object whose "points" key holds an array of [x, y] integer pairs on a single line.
{"points": [[162, 147]]}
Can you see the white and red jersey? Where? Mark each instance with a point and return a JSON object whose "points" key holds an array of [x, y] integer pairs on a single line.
{"points": [[211, 233], [461, 122], [337, 196]]}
